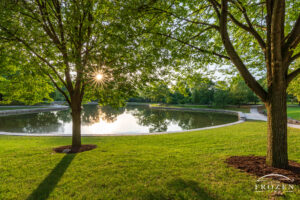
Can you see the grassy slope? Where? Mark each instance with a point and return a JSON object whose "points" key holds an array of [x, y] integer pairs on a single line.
{"points": [[245, 109], [174, 166], [294, 112]]}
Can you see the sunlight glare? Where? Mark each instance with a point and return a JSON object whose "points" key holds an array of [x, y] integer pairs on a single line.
{"points": [[99, 77]]}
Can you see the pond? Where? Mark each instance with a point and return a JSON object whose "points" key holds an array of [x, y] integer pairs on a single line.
{"points": [[105, 120]]}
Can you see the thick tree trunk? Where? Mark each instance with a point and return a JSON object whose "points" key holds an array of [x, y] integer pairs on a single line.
{"points": [[277, 154], [76, 119]]}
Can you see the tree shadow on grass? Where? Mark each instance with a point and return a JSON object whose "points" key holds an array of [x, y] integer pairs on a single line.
{"points": [[180, 189], [46, 187]]}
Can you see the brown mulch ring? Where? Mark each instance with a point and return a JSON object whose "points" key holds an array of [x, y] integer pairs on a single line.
{"points": [[257, 165], [68, 148]]}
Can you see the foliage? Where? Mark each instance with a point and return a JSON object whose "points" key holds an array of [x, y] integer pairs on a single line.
{"points": [[202, 91], [241, 94], [75, 40], [294, 87], [19, 78]]}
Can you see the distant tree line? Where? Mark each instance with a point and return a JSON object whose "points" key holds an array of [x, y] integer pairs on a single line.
{"points": [[216, 94]]}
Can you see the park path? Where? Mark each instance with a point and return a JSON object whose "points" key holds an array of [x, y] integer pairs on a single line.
{"points": [[255, 115]]}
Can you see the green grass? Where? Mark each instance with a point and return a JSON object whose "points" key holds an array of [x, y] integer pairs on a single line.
{"points": [[16, 108], [293, 112], [173, 166], [245, 109]]}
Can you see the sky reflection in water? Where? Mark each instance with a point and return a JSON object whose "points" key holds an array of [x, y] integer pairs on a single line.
{"points": [[105, 120]]}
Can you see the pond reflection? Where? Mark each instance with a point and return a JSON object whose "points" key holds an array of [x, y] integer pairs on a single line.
{"points": [[105, 120]]}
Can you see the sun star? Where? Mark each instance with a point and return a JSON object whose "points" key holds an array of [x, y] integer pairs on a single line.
{"points": [[99, 77]]}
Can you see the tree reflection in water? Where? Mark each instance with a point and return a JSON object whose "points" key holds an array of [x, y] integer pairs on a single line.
{"points": [[156, 120], [138, 118], [92, 114], [43, 122], [159, 120]]}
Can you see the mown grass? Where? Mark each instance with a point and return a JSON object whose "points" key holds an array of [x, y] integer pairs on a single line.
{"points": [[245, 109], [293, 112], [173, 166]]}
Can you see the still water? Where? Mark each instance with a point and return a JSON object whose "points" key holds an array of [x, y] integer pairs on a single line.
{"points": [[105, 120]]}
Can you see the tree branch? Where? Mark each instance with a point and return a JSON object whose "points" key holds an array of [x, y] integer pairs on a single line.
{"points": [[214, 3], [250, 29], [197, 48], [294, 57], [35, 53], [293, 38], [187, 20], [234, 57], [292, 75], [60, 90], [60, 44]]}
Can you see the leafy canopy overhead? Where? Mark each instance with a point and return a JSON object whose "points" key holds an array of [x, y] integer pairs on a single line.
{"points": [[71, 42], [190, 29]]}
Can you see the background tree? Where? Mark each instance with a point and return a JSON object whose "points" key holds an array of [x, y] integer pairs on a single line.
{"points": [[253, 36], [240, 93], [72, 42], [221, 94]]}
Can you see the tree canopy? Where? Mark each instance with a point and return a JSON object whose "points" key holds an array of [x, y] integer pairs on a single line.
{"points": [[20, 80]]}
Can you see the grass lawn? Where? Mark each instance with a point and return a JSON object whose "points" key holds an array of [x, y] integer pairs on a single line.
{"points": [[294, 112], [245, 109], [173, 166], [16, 108]]}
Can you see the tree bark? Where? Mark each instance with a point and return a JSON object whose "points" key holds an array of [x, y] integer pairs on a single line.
{"points": [[277, 154], [76, 119]]}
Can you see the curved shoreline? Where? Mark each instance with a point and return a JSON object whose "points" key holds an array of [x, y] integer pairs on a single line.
{"points": [[32, 110], [241, 119]]}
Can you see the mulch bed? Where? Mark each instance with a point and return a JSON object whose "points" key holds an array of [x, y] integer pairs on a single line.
{"points": [[68, 148], [257, 165]]}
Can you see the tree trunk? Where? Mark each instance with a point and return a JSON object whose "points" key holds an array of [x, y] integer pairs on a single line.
{"points": [[76, 119], [277, 154]]}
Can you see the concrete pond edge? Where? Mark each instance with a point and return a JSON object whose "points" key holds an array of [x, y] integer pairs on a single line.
{"points": [[241, 119], [33, 110]]}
